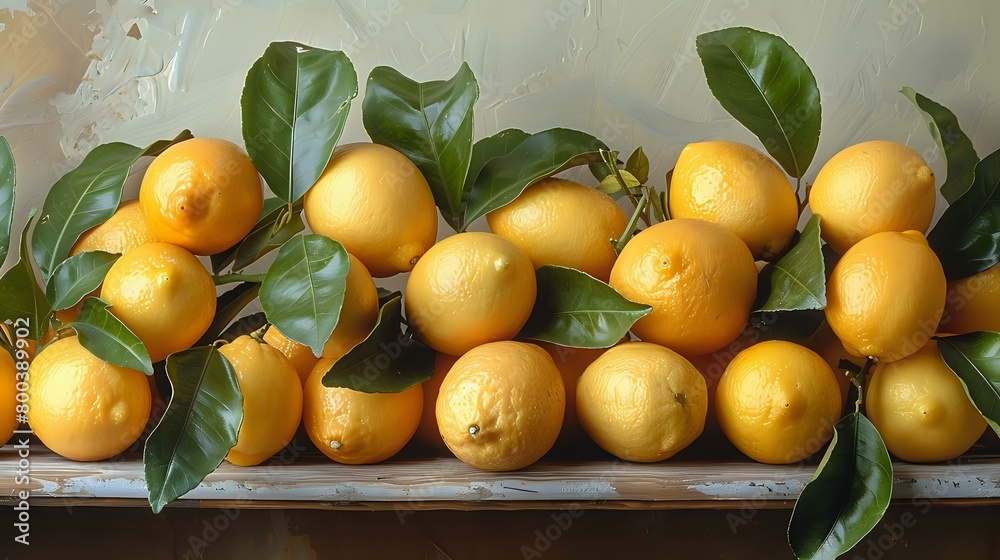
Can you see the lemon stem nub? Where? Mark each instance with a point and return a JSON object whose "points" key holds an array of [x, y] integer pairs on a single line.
{"points": [[334, 444], [473, 430]]}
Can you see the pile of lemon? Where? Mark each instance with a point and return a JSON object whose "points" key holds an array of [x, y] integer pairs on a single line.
{"points": [[498, 403]]}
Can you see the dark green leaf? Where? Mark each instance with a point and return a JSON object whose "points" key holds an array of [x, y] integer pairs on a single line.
{"points": [[658, 203], [303, 291], [498, 145], [269, 214], [8, 179], [638, 165], [77, 276], [958, 150], [84, 198], [847, 496], [543, 154], [20, 295], [294, 105], [430, 123], [763, 83], [575, 309], [109, 339], [228, 306], [385, 295], [798, 279], [387, 361], [262, 241], [967, 237], [975, 358], [198, 428], [794, 326]]}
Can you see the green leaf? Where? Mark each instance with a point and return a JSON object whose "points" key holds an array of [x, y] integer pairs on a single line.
{"points": [[847, 496], [794, 326], [658, 203], [387, 361], [294, 105], [270, 213], [198, 428], [575, 309], [228, 306], [798, 279], [958, 150], [498, 145], [430, 123], [967, 237], [21, 297], [8, 179], [504, 178], [77, 276], [109, 339], [84, 198], [638, 165], [303, 291], [975, 358], [765, 85]]}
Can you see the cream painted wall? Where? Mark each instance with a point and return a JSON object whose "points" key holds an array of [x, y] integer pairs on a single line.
{"points": [[75, 73]]}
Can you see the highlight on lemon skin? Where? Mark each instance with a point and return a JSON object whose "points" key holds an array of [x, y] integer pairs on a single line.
{"points": [[739, 188], [376, 202], [203, 194]]}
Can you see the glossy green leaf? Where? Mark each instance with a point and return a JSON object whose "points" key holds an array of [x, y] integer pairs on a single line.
{"points": [[765, 85], [798, 279], [84, 198], [109, 339], [303, 291], [430, 123], [8, 180], [294, 105], [387, 361], [546, 153], [21, 297], [794, 326], [77, 276], [198, 428], [957, 148], [485, 149], [975, 358], [270, 213], [967, 237], [638, 165], [228, 307], [259, 243], [575, 309], [848, 494]]}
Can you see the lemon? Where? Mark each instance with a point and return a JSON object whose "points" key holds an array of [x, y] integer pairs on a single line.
{"points": [[973, 303]]}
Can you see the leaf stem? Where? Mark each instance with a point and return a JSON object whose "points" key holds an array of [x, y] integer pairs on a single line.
{"points": [[858, 380], [630, 228], [230, 278], [258, 334]]}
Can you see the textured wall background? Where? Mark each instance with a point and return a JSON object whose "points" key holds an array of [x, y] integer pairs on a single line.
{"points": [[76, 73]]}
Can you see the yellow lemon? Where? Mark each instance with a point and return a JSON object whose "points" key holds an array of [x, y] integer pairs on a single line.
{"points": [[374, 200], [886, 295], [8, 397], [739, 188], [699, 278], [642, 402], [561, 222], [470, 289], [973, 303], [872, 187]]}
